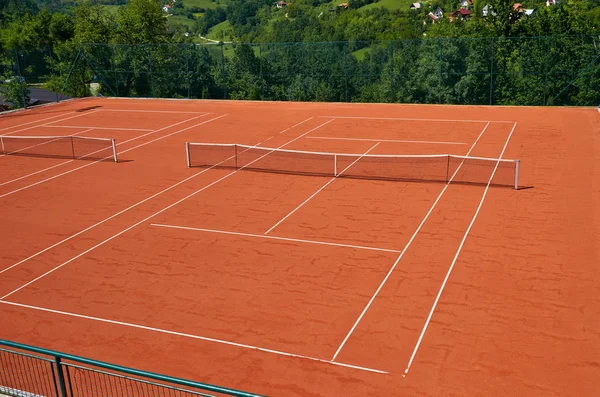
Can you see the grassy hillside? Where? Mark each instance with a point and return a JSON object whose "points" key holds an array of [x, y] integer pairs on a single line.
{"points": [[390, 4]]}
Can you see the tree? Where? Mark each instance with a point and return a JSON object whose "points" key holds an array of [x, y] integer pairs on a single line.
{"points": [[141, 22]]}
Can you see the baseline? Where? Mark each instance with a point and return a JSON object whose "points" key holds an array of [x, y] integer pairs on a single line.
{"points": [[416, 119], [204, 338], [384, 140]]}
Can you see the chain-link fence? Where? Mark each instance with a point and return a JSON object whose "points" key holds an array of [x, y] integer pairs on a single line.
{"points": [[558, 70]]}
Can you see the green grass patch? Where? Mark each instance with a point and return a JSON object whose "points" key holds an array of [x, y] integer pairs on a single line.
{"points": [[360, 54], [222, 31], [182, 20], [390, 4], [206, 4]]}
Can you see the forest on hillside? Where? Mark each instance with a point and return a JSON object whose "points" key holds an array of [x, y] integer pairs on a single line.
{"points": [[491, 52]]}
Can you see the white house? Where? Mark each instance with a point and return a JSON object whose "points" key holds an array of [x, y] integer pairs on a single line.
{"points": [[488, 10], [466, 3], [551, 3]]}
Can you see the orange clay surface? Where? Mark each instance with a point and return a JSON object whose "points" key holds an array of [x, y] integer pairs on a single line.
{"points": [[93, 252]]}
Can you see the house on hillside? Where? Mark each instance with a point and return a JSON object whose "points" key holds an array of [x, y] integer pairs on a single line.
{"points": [[438, 13], [343, 5], [488, 10], [432, 17], [466, 4], [529, 12], [461, 13], [281, 4], [416, 6], [551, 3], [166, 8]]}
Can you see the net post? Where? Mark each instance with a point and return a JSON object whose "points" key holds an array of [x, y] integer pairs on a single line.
{"points": [[235, 155], [2, 141], [73, 147], [187, 154], [335, 165], [114, 148], [448, 169], [518, 163]]}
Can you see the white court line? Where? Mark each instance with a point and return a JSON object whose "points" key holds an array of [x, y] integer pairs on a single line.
{"points": [[124, 151], [164, 209], [405, 248], [120, 212], [35, 121], [415, 119], [98, 128], [56, 121], [150, 111], [41, 144], [437, 298], [385, 140], [203, 338], [295, 240], [322, 187]]}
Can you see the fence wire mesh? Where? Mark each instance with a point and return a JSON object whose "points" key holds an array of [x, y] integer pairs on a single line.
{"points": [[28, 371], [553, 70]]}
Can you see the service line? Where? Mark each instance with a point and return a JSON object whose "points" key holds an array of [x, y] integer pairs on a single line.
{"points": [[385, 140], [262, 236]]}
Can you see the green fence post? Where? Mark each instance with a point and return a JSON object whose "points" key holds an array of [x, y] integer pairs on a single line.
{"points": [[546, 71], [223, 70], [152, 93], [21, 78], [61, 377], [114, 61], [440, 81], [492, 74], [62, 91], [391, 55], [187, 67]]}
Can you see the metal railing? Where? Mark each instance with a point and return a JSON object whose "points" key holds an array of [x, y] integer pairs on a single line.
{"points": [[28, 371]]}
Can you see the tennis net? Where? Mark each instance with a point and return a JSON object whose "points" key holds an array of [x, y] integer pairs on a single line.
{"points": [[428, 168], [71, 147]]}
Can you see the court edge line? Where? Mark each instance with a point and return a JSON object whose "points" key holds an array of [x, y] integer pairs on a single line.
{"points": [[98, 128], [149, 111], [44, 169], [385, 140], [414, 235], [35, 121], [150, 216], [124, 151], [414, 353], [274, 237], [108, 218], [122, 211], [204, 338], [415, 119], [322, 187], [8, 134]]}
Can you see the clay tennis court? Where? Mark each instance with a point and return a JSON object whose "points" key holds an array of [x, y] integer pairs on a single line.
{"points": [[303, 283]]}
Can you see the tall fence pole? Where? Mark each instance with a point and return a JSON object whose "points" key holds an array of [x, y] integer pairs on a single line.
{"points": [[546, 71], [492, 74], [440, 81], [21, 78]]}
